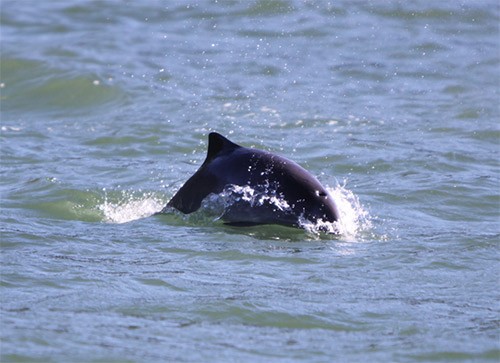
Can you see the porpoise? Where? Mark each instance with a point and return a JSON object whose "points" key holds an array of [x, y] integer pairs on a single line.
{"points": [[278, 190]]}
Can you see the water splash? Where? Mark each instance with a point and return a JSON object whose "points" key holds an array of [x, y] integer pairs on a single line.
{"points": [[214, 206], [353, 217], [126, 206], [256, 197]]}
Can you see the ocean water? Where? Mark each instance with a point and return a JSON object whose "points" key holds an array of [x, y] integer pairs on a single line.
{"points": [[105, 111]]}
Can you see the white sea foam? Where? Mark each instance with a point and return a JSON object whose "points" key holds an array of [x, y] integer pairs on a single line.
{"points": [[353, 217], [126, 206], [255, 197]]}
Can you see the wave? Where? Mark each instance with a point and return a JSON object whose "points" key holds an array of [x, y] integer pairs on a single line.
{"points": [[126, 206], [117, 206]]}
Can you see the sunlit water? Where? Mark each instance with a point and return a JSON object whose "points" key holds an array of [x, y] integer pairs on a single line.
{"points": [[105, 111]]}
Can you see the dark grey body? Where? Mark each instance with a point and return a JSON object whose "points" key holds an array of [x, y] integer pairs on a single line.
{"points": [[230, 164]]}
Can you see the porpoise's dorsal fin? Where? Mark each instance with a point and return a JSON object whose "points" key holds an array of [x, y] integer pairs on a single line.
{"points": [[189, 197], [217, 144]]}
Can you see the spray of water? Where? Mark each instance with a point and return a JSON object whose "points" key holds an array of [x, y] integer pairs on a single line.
{"points": [[126, 206], [353, 217]]}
